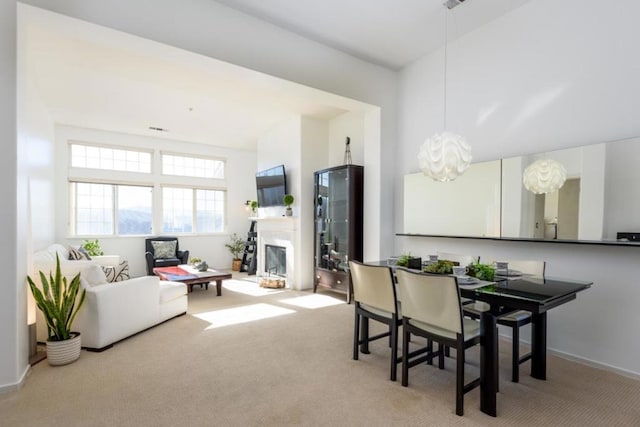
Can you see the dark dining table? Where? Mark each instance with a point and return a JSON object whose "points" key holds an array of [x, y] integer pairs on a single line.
{"points": [[534, 294]]}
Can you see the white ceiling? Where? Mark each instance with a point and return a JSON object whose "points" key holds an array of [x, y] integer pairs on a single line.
{"points": [[391, 33], [94, 77]]}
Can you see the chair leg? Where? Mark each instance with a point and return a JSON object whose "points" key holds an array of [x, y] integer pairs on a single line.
{"points": [[364, 335], [515, 354], [441, 352], [460, 378], [356, 336], [394, 348], [430, 351], [406, 337]]}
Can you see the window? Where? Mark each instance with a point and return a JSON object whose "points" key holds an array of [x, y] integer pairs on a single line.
{"points": [[187, 210], [108, 209], [198, 167], [111, 191], [88, 156]]}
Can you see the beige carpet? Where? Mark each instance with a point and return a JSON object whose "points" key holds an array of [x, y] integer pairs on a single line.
{"points": [[294, 368]]}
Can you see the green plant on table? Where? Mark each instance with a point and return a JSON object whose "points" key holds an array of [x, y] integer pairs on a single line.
{"points": [[195, 260], [442, 266], [93, 247], [481, 271], [403, 260], [58, 301]]}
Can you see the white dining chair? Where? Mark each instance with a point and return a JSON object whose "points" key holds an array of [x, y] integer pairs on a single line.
{"points": [[374, 295], [431, 308]]}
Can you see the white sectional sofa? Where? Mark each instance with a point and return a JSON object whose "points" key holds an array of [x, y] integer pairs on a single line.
{"points": [[113, 311]]}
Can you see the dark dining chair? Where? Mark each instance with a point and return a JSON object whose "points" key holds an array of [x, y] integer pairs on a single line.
{"points": [[375, 298], [431, 308], [163, 251], [514, 320]]}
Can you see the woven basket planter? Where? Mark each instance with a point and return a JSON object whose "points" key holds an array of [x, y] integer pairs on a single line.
{"points": [[64, 352]]}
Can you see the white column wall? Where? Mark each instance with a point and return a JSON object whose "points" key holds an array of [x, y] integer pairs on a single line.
{"points": [[13, 301]]}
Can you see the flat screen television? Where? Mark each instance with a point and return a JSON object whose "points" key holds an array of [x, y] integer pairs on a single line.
{"points": [[272, 186]]}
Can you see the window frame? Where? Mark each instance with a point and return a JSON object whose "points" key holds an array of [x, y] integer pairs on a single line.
{"points": [[71, 143], [115, 232], [163, 153], [155, 179], [194, 211]]}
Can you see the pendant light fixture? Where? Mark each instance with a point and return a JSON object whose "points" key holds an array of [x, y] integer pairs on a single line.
{"points": [[446, 155], [544, 176]]}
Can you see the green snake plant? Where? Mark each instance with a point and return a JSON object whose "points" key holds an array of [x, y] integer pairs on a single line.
{"points": [[58, 302]]}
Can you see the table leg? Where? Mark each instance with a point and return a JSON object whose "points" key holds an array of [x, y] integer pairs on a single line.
{"points": [[218, 287], [539, 346], [488, 362]]}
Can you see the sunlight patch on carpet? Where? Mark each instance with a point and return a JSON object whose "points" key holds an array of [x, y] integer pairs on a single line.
{"points": [[249, 288], [244, 314], [313, 301]]}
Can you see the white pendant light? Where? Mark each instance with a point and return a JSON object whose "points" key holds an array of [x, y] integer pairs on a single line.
{"points": [[445, 156], [544, 176]]}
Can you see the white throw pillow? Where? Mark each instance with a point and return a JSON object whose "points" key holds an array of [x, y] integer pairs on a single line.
{"points": [[164, 249], [94, 275]]}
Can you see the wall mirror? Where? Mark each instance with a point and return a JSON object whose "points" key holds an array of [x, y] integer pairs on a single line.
{"points": [[467, 206], [600, 198]]}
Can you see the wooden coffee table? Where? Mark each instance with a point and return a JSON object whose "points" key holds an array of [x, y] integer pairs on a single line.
{"points": [[190, 276]]}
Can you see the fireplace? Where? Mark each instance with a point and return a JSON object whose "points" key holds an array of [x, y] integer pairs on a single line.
{"points": [[283, 232], [275, 260]]}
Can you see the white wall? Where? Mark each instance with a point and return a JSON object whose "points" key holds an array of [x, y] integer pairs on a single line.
{"points": [[13, 318], [301, 145], [534, 80], [239, 182], [315, 134]]}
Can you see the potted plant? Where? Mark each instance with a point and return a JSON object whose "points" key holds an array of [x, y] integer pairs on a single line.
{"points": [[93, 247], [481, 271], [59, 302], [254, 207], [406, 260], [288, 200], [236, 247]]}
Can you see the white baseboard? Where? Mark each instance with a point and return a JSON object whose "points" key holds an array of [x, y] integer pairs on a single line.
{"points": [[594, 364], [583, 360], [6, 388]]}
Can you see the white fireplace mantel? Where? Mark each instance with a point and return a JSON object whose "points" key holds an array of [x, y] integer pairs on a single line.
{"points": [[279, 231]]}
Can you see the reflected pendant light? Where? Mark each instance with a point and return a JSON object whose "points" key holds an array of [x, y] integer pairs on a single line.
{"points": [[446, 155], [544, 176]]}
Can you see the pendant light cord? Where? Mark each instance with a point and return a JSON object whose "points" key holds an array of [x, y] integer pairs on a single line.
{"points": [[445, 68]]}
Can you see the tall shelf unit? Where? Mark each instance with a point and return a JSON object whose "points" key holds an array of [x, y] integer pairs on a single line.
{"points": [[338, 226]]}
